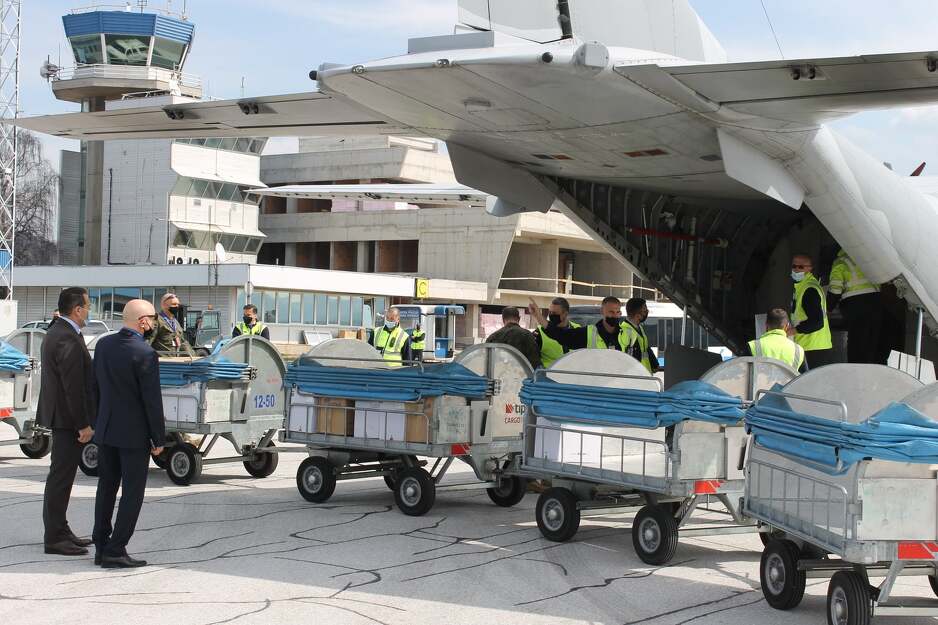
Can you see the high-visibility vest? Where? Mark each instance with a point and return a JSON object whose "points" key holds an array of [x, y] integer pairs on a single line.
{"points": [[247, 330], [636, 336], [418, 340], [776, 344], [847, 280], [820, 339], [551, 350], [390, 344], [594, 341]]}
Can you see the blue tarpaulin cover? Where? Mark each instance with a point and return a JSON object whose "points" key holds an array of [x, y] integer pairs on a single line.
{"points": [[898, 432], [401, 384], [631, 408], [203, 370], [12, 359]]}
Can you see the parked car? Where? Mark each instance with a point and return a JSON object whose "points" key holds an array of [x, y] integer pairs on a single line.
{"points": [[92, 328]]}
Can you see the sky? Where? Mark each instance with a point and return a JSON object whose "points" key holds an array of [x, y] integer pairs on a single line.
{"points": [[273, 45]]}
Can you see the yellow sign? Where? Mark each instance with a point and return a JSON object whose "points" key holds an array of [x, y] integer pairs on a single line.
{"points": [[421, 288]]}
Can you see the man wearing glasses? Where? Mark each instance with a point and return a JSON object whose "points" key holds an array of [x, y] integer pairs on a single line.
{"points": [[809, 314]]}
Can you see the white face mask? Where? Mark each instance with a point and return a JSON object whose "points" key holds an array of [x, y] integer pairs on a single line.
{"points": [[390, 325], [797, 276]]}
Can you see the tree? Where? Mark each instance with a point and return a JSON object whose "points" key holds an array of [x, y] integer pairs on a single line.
{"points": [[36, 192]]}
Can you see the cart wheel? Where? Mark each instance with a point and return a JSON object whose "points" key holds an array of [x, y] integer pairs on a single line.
{"points": [[263, 464], [933, 582], [184, 464], [654, 535], [510, 490], [37, 447], [782, 582], [558, 517], [848, 600], [162, 460], [315, 479], [415, 491], [88, 459], [391, 482]]}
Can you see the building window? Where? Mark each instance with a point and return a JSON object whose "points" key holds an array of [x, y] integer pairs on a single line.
{"points": [[242, 299], [296, 313], [270, 309], [167, 53], [357, 303], [121, 297], [283, 308], [87, 49], [333, 317], [322, 301], [127, 49], [345, 311], [309, 304], [94, 297]]}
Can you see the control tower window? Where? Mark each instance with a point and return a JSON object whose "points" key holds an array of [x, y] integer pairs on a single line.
{"points": [[87, 49], [167, 53], [127, 49]]}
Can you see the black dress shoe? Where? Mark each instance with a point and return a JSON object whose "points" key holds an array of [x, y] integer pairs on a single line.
{"points": [[122, 562], [65, 548], [97, 558], [81, 542]]}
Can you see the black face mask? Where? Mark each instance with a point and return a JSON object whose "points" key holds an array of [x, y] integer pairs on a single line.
{"points": [[613, 321], [174, 311], [248, 320], [147, 334], [554, 320]]}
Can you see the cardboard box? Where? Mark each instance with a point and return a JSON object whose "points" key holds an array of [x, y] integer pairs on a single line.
{"points": [[348, 334], [334, 416], [416, 430], [402, 422]]}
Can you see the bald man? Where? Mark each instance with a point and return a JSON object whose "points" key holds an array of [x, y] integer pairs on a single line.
{"points": [[128, 429]]}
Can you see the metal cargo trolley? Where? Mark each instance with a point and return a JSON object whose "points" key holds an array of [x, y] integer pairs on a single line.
{"points": [[235, 394], [842, 467], [598, 463], [20, 377], [360, 419]]}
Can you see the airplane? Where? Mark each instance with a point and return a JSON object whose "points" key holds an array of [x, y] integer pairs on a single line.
{"points": [[703, 176]]}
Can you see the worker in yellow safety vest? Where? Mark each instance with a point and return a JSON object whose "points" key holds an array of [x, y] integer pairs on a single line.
{"points": [[636, 313], [809, 313], [775, 343], [418, 342], [391, 340], [558, 314], [250, 325], [861, 305]]}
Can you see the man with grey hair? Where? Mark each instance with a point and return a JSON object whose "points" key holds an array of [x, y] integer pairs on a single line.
{"points": [[168, 337]]}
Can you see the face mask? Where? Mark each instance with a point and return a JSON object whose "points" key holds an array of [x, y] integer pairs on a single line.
{"points": [[390, 325], [644, 318], [554, 320], [248, 320], [797, 276], [174, 311], [613, 321]]}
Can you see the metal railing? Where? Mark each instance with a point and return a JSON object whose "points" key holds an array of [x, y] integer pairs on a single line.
{"points": [[605, 289], [127, 72], [129, 8]]}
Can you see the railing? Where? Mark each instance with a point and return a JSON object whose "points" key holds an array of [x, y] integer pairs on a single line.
{"points": [[651, 294], [129, 8], [127, 72]]}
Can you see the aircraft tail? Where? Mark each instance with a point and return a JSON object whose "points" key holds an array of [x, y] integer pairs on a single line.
{"points": [[667, 26]]}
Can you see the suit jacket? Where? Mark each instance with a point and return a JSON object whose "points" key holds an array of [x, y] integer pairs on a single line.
{"points": [[66, 396], [130, 405]]}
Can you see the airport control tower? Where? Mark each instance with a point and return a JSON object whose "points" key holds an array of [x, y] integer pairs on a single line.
{"points": [[118, 54]]}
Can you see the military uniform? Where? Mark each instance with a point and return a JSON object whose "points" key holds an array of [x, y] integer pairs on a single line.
{"points": [[168, 337], [519, 338]]}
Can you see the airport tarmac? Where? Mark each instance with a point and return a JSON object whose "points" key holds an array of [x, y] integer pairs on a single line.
{"points": [[232, 549]]}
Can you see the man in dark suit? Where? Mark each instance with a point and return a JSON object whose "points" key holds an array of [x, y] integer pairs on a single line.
{"points": [[66, 406], [128, 429]]}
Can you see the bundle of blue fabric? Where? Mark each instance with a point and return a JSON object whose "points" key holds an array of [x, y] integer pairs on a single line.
{"points": [[175, 374], [12, 359], [401, 384], [898, 432], [616, 407]]}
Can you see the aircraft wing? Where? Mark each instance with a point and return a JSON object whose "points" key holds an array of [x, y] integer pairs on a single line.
{"points": [[302, 114], [444, 194], [807, 90]]}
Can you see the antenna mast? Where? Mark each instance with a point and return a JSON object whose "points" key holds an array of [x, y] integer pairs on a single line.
{"points": [[10, 21]]}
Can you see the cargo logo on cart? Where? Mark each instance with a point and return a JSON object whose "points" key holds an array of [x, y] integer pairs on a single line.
{"points": [[6, 413], [918, 551], [514, 412], [265, 401], [460, 449], [707, 487]]}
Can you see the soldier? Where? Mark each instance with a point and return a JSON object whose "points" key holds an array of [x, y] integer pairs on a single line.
{"points": [[168, 337]]}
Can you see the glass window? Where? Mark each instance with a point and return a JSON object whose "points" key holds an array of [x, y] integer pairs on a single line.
{"points": [[228, 144], [87, 49], [157, 296], [234, 193], [121, 297], [380, 303], [227, 241], [199, 142], [257, 146], [345, 311], [182, 239], [198, 240], [106, 303], [212, 143], [333, 317], [242, 299], [308, 306], [296, 313], [212, 190], [237, 244], [167, 54], [198, 188], [94, 296], [148, 294], [368, 314], [270, 309], [253, 245], [242, 144], [127, 49], [321, 304], [283, 308], [182, 186], [357, 311]]}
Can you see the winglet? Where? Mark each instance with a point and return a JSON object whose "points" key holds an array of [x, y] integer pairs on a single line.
{"points": [[918, 170]]}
